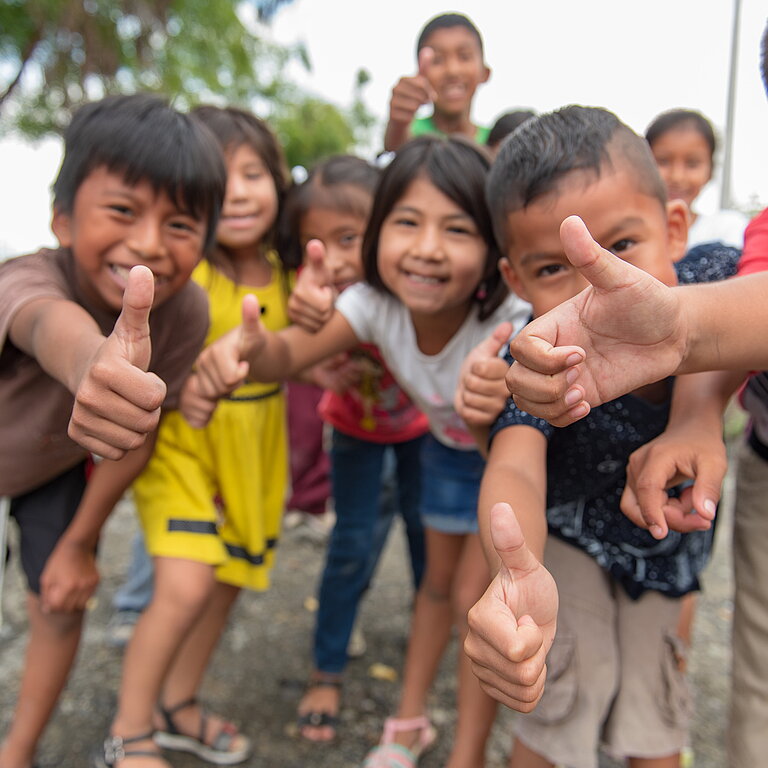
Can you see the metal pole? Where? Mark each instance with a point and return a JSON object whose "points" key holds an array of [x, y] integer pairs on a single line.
{"points": [[725, 187]]}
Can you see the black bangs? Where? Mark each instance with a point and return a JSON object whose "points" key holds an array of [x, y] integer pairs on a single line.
{"points": [[143, 138]]}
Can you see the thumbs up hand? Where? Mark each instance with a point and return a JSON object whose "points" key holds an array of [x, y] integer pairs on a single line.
{"points": [[512, 626], [310, 304], [117, 402], [412, 91], [222, 367]]}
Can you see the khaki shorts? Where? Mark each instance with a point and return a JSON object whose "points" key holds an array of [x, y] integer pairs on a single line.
{"points": [[613, 676]]}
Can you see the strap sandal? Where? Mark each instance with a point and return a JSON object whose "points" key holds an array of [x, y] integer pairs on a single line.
{"points": [[316, 718], [113, 750], [391, 755], [228, 746]]}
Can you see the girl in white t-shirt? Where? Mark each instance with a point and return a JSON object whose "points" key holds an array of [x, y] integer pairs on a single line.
{"points": [[433, 293], [683, 144]]}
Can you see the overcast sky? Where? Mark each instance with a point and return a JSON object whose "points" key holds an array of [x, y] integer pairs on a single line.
{"points": [[635, 58]]}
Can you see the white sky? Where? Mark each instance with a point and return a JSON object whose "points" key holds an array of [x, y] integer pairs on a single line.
{"points": [[635, 58]]}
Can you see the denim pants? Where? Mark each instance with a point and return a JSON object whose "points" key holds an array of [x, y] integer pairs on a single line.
{"points": [[371, 482], [135, 593]]}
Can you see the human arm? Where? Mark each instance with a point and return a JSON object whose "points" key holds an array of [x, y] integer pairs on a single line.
{"points": [[407, 96], [117, 402], [511, 628], [690, 448], [70, 575], [626, 330]]}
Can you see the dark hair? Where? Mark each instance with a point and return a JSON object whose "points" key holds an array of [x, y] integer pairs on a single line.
{"points": [[144, 138], [764, 58], [447, 21], [235, 127], [676, 119], [505, 124], [458, 168], [342, 183], [536, 157]]}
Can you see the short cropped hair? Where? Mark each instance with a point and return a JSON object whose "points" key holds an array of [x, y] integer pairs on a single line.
{"points": [[505, 124], [145, 139], [543, 150], [341, 183], [458, 168], [675, 119], [447, 21]]}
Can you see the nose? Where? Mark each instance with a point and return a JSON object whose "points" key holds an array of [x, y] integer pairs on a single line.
{"points": [[427, 243], [146, 238], [235, 187]]}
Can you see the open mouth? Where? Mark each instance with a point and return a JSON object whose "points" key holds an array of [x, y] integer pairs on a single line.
{"points": [[425, 279], [239, 220], [121, 273]]}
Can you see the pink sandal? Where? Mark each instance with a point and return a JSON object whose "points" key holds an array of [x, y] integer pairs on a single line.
{"points": [[390, 755]]}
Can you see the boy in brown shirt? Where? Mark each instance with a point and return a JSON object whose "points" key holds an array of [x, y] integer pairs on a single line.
{"points": [[135, 205]]}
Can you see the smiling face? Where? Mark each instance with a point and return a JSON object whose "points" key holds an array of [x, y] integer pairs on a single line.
{"points": [[431, 254], [250, 204], [621, 218], [456, 69], [114, 226], [342, 235], [685, 162]]}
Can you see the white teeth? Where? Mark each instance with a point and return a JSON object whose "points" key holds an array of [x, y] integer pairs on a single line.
{"points": [[123, 272], [424, 279]]}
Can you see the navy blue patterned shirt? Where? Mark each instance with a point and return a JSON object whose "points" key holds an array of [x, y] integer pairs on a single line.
{"points": [[586, 473]]}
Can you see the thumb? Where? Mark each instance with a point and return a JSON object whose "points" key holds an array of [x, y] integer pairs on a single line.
{"points": [[600, 267], [496, 340], [251, 329], [132, 327], [426, 57], [508, 541], [315, 263], [706, 489]]}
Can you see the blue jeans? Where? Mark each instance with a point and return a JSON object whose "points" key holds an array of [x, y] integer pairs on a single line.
{"points": [[135, 593], [370, 482]]}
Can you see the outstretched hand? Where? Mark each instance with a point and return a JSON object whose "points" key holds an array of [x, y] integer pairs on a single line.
{"points": [[223, 366], [625, 330], [310, 304], [482, 392], [117, 402], [512, 627]]}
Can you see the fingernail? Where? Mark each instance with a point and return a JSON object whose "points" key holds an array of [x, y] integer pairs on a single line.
{"points": [[573, 396], [710, 508], [573, 359], [656, 532], [572, 375]]}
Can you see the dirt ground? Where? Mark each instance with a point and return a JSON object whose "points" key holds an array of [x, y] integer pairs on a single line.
{"points": [[260, 668]]}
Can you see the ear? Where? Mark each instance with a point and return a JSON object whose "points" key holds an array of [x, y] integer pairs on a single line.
{"points": [[511, 279], [677, 228], [486, 74], [61, 225]]}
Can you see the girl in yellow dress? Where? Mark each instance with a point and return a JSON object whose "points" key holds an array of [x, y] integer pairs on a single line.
{"points": [[211, 497]]}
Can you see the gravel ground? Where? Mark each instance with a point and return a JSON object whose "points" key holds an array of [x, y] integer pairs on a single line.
{"points": [[259, 670]]}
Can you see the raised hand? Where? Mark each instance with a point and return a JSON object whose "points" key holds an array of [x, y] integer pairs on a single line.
{"points": [[482, 390], [223, 366], [511, 628], [625, 330], [310, 304], [117, 402]]}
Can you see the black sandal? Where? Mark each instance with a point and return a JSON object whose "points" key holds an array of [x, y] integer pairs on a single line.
{"points": [[315, 719], [113, 750], [219, 751]]}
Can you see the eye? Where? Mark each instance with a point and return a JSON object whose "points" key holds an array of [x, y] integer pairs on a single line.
{"points": [[121, 209], [549, 269], [621, 245], [254, 175], [185, 225], [461, 229], [348, 240], [404, 221]]}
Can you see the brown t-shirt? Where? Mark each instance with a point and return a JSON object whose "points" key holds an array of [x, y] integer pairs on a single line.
{"points": [[35, 408]]}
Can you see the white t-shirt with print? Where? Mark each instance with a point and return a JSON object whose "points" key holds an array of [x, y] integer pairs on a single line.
{"points": [[430, 380]]}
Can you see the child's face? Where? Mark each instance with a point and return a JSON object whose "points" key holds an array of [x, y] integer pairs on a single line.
{"points": [[114, 226], [456, 70], [431, 254], [250, 204], [621, 218], [342, 235], [684, 161]]}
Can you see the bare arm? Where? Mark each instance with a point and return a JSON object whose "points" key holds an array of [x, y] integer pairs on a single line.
{"points": [[70, 576]]}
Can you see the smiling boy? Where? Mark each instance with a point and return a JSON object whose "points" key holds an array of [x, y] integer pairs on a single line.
{"points": [[613, 670], [451, 67], [140, 186]]}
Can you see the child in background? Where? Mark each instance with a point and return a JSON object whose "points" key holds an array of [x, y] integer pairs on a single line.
{"points": [[211, 498], [376, 434], [504, 125], [683, 144], [451, 66], [433, 292], [614, 669], [140, 184]]}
